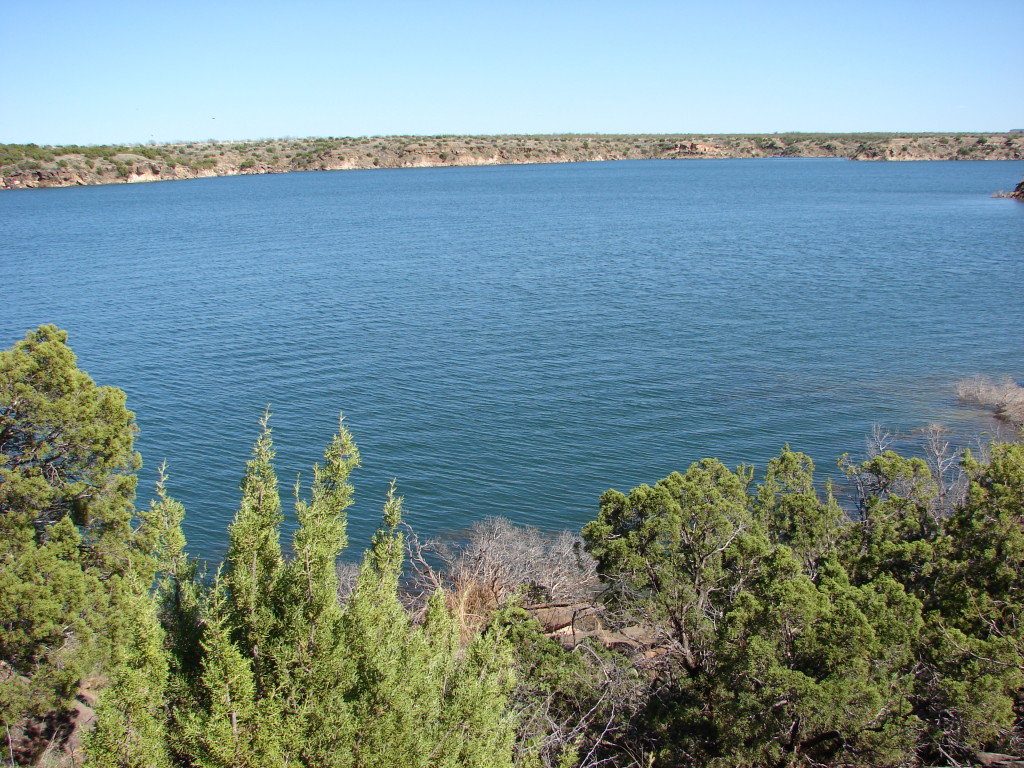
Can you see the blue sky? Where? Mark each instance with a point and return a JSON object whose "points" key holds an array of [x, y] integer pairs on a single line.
{"points": [[105, 72]]}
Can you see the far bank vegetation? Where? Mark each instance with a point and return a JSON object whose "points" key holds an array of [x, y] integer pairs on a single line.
{"points": [[29, 165]]}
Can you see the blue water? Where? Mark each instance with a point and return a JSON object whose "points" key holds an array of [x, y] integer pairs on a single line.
{"points": [[515, 340]]}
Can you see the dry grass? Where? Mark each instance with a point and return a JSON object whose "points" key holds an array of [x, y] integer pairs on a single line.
{"points": [[499, 561], [1005, 397]]}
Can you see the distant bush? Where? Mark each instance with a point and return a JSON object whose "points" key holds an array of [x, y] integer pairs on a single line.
{"points": [[15, 153]]}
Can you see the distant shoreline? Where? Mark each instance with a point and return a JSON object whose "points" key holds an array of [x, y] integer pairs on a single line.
{"points": [[28, 166]]}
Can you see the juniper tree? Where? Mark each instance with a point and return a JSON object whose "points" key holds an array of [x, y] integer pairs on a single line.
{"points": [[51, 618], [772, 656], [972, 689], [178, 589], [67, 481], [311, 581], [287, 673], [675, 554], [813, 671], [131, 717], [66, 449], [262, 648], [226, 726], [791, 512], [387, 685], [254, 563], [313, 670], [417, 699], [895, 528], [154, 625]]}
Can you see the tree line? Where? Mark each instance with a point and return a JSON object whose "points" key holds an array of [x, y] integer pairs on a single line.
{"points": [[729, 620]]}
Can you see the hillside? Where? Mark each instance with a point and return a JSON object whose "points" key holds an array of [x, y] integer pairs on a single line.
{"points": [[28, 165]]}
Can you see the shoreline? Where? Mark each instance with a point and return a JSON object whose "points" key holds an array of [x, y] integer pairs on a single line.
{"points": [[27, 166]]}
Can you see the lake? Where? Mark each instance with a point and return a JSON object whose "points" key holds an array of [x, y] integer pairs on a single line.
{"points": [[515, 340]]}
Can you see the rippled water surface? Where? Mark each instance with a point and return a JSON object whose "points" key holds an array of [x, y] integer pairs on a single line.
{"points": [[514, 340]]}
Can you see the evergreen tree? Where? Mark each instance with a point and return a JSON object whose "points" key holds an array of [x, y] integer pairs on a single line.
{"points": [[786, 636], [312, 580], [51, 620], [67, 481], [815, 673], [179, 592], [131, 718], [392, 726], [416, 698], [254, 562], [790, 511], [676, 554], [308, 649], [896, 527], [66, 449], [773, 656], [226, 726], [972, 688]]}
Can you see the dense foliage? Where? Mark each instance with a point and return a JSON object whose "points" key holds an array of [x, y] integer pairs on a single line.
{"points": [[68, 549], [736, 623], [796, 635]]}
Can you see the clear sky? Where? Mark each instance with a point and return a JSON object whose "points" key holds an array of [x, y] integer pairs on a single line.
{"points": [[111, 72]]}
